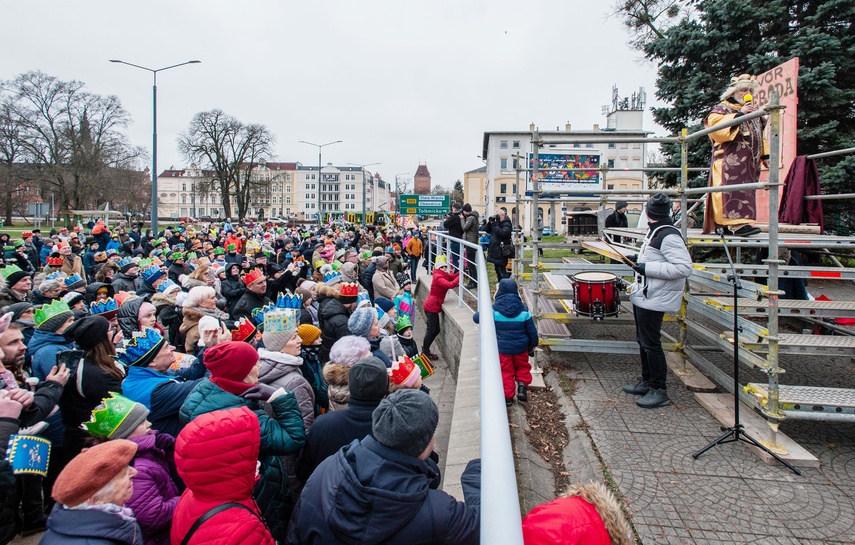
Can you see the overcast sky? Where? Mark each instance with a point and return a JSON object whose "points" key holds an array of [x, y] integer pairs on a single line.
{"points": [[399, 82]]}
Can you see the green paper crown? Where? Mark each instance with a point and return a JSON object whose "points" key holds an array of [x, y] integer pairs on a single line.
{"points": [[192, 255], [18, 243], [106, 420], [403, 322], [46, 312], [231, 247], [176, 255]]}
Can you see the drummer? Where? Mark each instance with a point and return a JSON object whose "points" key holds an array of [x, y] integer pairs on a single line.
{"points": [[661, 268]]}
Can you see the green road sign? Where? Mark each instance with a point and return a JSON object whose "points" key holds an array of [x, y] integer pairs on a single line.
{"points": [[424, 205]]}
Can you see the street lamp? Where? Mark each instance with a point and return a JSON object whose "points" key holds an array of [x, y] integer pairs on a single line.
{"points": [[154, 132], [320, 147], [364, 213]]}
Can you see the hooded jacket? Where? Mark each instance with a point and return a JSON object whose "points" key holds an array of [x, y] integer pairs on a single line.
{"points": [[89, 527], [92, 290], [216, 459], [190, 326], [128, 316], [155, 493], [440, 284], [500, 233], [123, 282], [283, 371], [516, 332], [369, 494], [470, 227], [667, 264], [333, 319], [43, 348], [232, 288]]}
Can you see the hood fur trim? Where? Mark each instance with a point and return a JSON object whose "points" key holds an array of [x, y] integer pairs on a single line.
{"points": [[607, 507]]}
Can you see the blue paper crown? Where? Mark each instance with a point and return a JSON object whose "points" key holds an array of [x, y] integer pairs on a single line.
{"points": [[123, 262], [289, 300], [100, 307], [331, 275], [258, 313], [165, 285], [141, 348], [389, 250], [72, 279], [55, 276], [151, 274]]}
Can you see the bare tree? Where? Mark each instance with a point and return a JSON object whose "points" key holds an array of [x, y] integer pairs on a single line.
{"points": [[10, 154], [221, 143], [649, 19]]}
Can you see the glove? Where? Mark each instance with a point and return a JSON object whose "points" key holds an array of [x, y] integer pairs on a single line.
{"points": [[531, 352], [633, 258], [260, 392], [639, 268]]}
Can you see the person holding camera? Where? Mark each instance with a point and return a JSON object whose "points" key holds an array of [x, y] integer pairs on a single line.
{"points": [[501, 248], [454, 225]]}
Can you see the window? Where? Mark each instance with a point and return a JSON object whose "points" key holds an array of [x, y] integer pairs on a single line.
{"points": [[184, 200], [515, 188], [503, 144], [589, 145], [611, 145], [611, 163], [516, 163], [516, 144], [577, 145], [288, 178], [215, 211], [503, 163], [288, 188], [503, 188], [184, 187], [610, 186], [288, 200]]}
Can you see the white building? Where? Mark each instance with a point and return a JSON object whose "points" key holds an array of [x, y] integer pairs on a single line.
{"points": [[340, 191], [504, 150]]}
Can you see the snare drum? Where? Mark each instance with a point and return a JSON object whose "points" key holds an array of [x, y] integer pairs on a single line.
{"points": [[596, 294]]}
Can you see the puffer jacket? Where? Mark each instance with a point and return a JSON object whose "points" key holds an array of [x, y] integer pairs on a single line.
{"points": [[667, 264], [43, 348], [283, 371], [128, 316], [470, 227], [333, 319], [123, 282], [500, 233], [92, 290], [89, 527], [248, 302], [587, 514], [155, 492], [216, 459], [370, 494], [439, 286], [232, 289], [516, 332], [338, 391]]}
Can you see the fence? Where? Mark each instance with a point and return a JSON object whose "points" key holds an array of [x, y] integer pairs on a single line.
{"points": [[500, 508]]}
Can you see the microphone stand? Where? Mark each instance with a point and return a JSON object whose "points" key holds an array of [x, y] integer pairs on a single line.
{"points": [[737, 431]]}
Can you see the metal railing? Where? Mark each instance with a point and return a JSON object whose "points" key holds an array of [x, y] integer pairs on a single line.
{"points": [[443, 244], [500, 509]]}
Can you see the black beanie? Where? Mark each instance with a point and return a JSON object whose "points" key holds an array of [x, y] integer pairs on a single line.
{"points": [[368, 379], [88, 332], [621, 204], [658, 207]]}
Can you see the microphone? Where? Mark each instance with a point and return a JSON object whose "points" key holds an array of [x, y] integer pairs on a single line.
{"points": [[747, 98], [720, 231]]}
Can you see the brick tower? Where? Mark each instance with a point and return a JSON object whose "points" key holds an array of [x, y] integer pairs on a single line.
{"points": [[421, 181]]}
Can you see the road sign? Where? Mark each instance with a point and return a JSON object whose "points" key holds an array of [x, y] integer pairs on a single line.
{"points": [[424, 205]]}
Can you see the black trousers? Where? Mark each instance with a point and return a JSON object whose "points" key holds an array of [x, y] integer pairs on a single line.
{"points": [[502, 268], [648, 324], [432, 331], [472, 267]]}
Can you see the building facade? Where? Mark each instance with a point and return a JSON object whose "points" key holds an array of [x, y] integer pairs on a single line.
{"points": [[421, 181], [475, 189]]}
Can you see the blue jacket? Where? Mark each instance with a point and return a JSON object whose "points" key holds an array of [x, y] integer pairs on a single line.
{"points": [[43, 348], [89, 527], [163, 394], [515, 329], [369, 494]]}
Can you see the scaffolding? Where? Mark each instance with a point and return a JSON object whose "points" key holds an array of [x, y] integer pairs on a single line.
{"points": [[705, 299]]}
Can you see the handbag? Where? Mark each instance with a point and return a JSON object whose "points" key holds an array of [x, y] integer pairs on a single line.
{"points": [[508, 250]]}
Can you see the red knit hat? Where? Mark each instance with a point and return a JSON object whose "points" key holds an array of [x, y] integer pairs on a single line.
{"points": [[91, 470], [229, 364]]}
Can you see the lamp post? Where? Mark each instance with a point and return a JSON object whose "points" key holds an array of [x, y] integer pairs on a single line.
{"points": [[154, 131], [320, 147], [364, 213]]}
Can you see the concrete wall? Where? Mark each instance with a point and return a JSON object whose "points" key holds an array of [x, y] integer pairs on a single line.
{"points": [[458, 345]]}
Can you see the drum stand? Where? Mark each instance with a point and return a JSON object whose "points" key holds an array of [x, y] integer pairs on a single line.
{"points": [[737, 431]]}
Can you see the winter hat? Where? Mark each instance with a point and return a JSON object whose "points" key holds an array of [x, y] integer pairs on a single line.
{"points": [[405, 421], [381, 261], [72, 298], [742, 82], [12, 274], [304, 293], [308, 333], [230, 363], [18, 309], [91, 470], [368, 380], [384, 303], [116, 417], [361, 320], [276, 340], [404, 373], [87, 332], [206, 323], [49, 318], [382, 317], [144, 309], [658, 207], [403, 279], [621, 204]]}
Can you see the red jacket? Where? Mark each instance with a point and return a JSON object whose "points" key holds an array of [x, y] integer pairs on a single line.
{"points": [[233, 240], [441, 283], [216, 456]]}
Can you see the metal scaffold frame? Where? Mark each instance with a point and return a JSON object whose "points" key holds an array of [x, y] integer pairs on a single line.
{"points": [[760, 346]]}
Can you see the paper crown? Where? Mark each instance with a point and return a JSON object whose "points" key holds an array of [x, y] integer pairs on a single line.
{"points": [[258, 313], [145, 263], [349, 289], [244, 330], [231, 247], [46, 312], [104, 422], [174, 256], [151, 274], [125, 262], [112, 252], [55, 276], [166, 286], [141, 348], [332, 277], [8, 270], [336, 265], [54, 261], [440, 261], [424, 364], [8, 248], [404, 373], [28, 454], [73, 279], [17, 244], [280, 319], [105, 307], [26, 234], [403, 322], [362, 299], [389, 250], [252, 276], [159, 241], [219, 251], [192, 255], [289, 300]]}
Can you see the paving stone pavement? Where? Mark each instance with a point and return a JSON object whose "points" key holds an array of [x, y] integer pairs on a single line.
{"points": [[728, 495]]}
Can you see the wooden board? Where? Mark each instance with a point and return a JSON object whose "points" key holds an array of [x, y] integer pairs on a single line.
{"points": [[721, 407], [547, 328], [692, 379]]}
